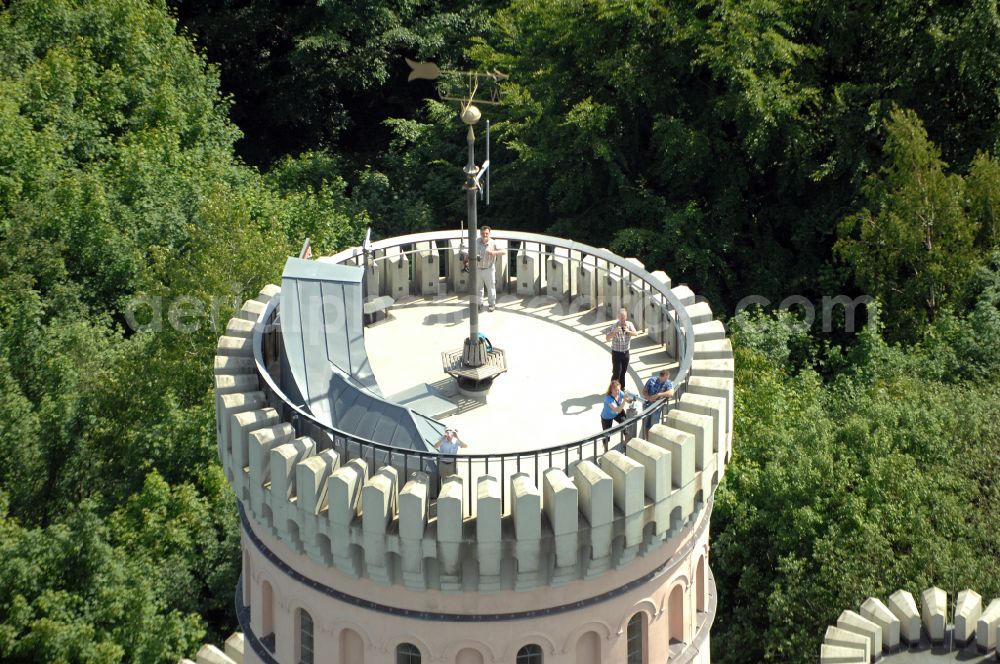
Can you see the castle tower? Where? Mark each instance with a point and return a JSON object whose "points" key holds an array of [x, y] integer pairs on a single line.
{"points": [[566, 550]]}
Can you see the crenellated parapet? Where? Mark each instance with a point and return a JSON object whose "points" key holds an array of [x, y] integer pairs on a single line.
{"points": [[231, 652], [567, 524], [954, 627]]}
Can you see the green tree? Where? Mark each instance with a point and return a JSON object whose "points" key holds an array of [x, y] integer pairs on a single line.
{"points": [[68, 595], [913, 244], [325, 75], [129, 233], [846, 489]]}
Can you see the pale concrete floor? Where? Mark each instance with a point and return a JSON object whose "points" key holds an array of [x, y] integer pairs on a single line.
{"points": [[558, 368]]}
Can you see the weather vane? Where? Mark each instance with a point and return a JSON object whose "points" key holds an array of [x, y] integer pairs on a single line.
{"points": [[460, 86]]}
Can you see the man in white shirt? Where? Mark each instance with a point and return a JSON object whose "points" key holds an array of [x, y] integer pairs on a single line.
{"points": [[486, 258]]}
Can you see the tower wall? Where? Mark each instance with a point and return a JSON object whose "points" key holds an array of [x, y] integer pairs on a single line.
{"points": [[577, 552]]}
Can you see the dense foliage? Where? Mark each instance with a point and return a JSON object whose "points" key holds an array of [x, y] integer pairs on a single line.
{"points": [[749, 148], [878, 479], [120, 198]]}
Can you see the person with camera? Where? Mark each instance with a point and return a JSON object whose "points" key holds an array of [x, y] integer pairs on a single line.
{"points": [[448, 447], [620, 335], [616, 401]]}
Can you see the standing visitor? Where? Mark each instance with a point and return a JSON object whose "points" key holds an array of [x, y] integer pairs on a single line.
{"points": [[486, 258], [620, 335], [448, 447]]}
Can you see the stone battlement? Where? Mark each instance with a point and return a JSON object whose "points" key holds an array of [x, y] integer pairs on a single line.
{"points": [[210, 654], [904, 622], [568, 524]]}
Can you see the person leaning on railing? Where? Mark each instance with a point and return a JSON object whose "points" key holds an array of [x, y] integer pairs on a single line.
{"points": [[656, 388]]}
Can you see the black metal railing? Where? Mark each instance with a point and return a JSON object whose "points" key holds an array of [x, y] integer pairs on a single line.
{"points": [[563, 456]]}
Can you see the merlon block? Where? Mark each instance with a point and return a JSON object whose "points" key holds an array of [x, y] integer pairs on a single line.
{"points": [[239, 327], [656, 464], [968, 609], [226, 364], [234, 647], [596, 492], [712, 368], [987, 626], [209, 654], [699, 312], [377, 502], [450, 510], [681, 445], [712, 330], [716, 349], [839, 655], [252, 310], [684, 294], [343, 490], [853, 622], [261, 442], [526, 507], [904, 607], [413, 507], [231, 383], [628, 478], [873, 609], [933, 612], [489, 509], [311, 475], [561, 502], [835, 636], [283, 460], [235, 346], [268, 292], [701, 427]]}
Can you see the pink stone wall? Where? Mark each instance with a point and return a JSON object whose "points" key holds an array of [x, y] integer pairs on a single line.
{"points": [[596, 634]]}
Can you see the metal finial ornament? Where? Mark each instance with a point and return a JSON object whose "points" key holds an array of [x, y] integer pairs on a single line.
{"points": [[470, 115]]}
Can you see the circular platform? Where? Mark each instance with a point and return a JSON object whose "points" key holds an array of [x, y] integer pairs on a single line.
{"points": [[558, 368]]}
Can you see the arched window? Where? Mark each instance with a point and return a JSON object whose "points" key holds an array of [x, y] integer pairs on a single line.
{"points": [[588, 648], [246, 578], [407, 653], [675, 615], [530, 654], [305, 642], [699, 584], [469, 656], [352, 648], [634, 638], [267, 615]]}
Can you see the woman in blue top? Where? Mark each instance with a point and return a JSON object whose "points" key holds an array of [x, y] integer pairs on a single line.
{"points": [[616, 400]]}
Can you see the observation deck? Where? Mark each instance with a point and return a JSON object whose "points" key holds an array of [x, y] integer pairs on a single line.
{"points": [[541, 498], [554, 389]]}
